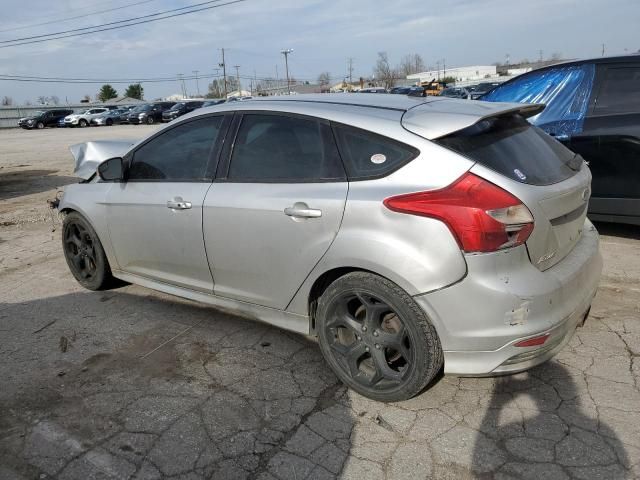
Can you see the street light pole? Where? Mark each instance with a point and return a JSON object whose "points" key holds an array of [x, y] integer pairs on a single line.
{"points": [[286, 64], [197, 84]]}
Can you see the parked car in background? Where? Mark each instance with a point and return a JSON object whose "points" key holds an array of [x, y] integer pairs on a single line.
{"points": [[124, 117], [400, 90], [426, 231], [83, 119], [373, 90], [180, 109], [44, 118], [149, 113], [593, 107], [111, 117], [481, 89], [240, 99], [211, 103], [456, 92]]}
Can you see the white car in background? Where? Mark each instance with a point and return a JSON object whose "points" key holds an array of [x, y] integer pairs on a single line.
{"points": [[83, 119]]}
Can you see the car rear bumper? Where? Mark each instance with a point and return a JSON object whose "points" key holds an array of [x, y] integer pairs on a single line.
{"points": [[504, 299]]}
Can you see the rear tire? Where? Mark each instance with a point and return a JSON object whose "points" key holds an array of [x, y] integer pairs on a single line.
{"points": [[376, 339], [84, 253]]}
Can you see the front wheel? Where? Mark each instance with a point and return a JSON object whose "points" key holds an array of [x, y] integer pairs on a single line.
{"points": [[82, 123], [376, 339], [109, 122], [40, 125], [84, 253], [150, 120]]}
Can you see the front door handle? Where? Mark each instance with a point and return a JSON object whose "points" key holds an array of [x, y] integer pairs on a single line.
{"points": [[178, 204], [302, 210]]}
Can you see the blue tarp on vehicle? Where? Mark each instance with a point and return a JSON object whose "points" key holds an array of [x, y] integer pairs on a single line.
{"points": [[564, 90]]}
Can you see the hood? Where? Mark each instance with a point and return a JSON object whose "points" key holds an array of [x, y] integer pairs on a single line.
{"points": [[73, 115], [89, 155]]}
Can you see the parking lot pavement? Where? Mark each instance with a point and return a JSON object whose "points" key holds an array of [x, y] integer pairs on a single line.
{"points": [[130, 383]]}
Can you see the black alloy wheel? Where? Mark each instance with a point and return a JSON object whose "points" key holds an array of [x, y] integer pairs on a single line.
{"points": [[84, 253], [376, 339], [150, 120], [109, 122]]}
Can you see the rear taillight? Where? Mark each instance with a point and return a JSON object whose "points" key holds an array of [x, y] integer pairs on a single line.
{"points": [[482, 216]]}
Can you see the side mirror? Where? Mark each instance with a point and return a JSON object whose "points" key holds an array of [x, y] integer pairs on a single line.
{"points": [[111, 170]]}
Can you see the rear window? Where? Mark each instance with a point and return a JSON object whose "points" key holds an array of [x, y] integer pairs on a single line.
{"points": [[513, 147]]}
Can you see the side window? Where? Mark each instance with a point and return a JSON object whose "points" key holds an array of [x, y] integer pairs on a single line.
{"points": [[283, 148], [179, 154], [619, 92], [366, 154]]}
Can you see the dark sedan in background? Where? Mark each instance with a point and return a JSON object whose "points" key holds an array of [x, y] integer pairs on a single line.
{"points": [[149, 113], [179, 109], [44, 118], [593, 107]]}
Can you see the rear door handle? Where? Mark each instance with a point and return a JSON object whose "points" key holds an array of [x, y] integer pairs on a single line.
{"points": [[178, 204], [302, 210]]}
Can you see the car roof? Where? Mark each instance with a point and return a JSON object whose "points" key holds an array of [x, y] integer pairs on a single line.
{"points": [[597, 60], [429, 117]]}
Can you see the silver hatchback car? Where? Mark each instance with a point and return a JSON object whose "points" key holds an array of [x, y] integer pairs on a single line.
{"points": [[408, 234]]}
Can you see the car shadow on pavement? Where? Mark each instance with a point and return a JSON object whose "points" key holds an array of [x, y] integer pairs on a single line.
{"points": [[127, 384], [25, 182], [544, 424]]}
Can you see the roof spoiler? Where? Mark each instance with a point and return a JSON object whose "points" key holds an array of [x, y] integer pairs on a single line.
{"points": [[439, 118]]}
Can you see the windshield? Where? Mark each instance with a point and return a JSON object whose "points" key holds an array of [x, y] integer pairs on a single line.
{"points": [[178, 106], [141, 108]]}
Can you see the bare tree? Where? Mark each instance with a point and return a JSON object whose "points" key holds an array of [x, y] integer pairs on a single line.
{"points": [[54, 99], [411, 64], [7, 101], [383, 71], [324, 79], [42, 99], [27, 103], [86, 98]]}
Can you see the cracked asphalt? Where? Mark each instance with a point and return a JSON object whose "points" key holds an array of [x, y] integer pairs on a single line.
{"points": [[135, 384]]}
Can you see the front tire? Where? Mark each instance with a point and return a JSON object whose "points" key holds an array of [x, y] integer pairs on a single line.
{"points": [[109, 122], [150, 120], [84, 253], [376, 339], [82, 123], [39, 125]]}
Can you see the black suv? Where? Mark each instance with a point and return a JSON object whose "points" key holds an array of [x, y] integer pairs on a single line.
{"points": [[593, 107], [180, 109], [43, 118], [149, 113]]}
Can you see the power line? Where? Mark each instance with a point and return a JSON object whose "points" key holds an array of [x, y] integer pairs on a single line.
{"points": [[148, 20], [23, 27]]}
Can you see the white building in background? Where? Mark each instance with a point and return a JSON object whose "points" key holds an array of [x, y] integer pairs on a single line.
{"points": [[474, 73]]}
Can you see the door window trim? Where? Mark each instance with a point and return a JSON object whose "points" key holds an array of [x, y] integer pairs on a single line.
{"points": [[211, 163], [222, 173]]}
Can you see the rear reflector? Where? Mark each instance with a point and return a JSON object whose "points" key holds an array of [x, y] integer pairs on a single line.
{"points": [[532, 342], [482, 216]]}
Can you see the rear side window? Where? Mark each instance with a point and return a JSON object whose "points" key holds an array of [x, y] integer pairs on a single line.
{"points": [[619, 92], [513, 147], [279, 148], [369, 155]]}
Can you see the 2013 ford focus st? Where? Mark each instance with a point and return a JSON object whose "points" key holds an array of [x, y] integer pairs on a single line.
{"points": [[406, 233]]}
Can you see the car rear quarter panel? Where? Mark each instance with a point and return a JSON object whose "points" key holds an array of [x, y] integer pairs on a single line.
{"points": [[419, 254]]}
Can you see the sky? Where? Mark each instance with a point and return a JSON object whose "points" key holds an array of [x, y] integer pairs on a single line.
{"points": [[322, 33]]}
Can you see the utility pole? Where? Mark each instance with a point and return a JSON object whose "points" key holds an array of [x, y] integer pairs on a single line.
{"points": [[237, 67], [444, 69], [438, 66], [286, 64], [350, 70], [224, 73], [197, 84], [184, 90]]}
